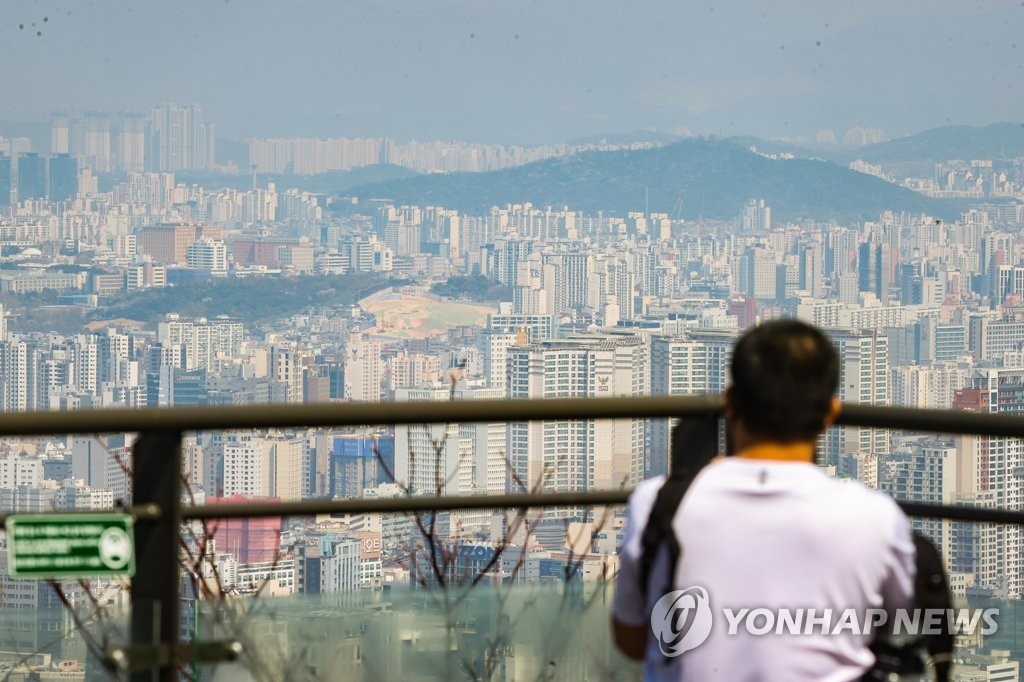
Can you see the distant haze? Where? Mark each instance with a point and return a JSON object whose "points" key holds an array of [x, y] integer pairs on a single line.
{"points": [[520, 71]]}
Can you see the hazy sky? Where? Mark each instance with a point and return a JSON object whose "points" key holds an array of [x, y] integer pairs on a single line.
{"points": [[521, 70]]}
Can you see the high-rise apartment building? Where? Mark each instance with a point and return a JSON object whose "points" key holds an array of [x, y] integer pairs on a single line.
{"points": [[90, 141], [202, 341], [756, 217], [998, 464], [694, 364], [504, 329], [864, 379], [264, 467], [452, 458], [179, 139], [364, 370], [131, 143], [588, 454]]}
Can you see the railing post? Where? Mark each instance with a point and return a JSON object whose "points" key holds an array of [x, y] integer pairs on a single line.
{"points": [[156, 466]]}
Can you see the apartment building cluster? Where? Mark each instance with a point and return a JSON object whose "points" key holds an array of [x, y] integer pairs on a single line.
{"points": [[310, 156], [171, 138], [924, 313]]}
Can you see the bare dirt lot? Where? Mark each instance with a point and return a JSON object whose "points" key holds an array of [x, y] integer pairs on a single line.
{"points": [[407, 316]]}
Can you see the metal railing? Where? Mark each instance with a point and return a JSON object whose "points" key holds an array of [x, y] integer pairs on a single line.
{"points": [[156, 467]]}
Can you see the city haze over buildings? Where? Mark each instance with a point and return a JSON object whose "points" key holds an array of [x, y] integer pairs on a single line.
{"points": [[521, 72], [195, 211]]}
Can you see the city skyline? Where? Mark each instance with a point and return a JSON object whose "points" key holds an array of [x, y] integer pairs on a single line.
{"points": [[520, 73]]}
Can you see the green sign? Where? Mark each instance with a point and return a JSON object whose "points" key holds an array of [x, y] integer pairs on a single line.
{"points": [[41, 546]]}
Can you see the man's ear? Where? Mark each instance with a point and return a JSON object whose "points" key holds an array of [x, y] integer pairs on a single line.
{"points": [[834, 408]]}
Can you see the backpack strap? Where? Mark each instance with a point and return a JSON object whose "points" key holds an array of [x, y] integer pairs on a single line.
{"points": [[931, 591], [659, 529], [694, 444]]}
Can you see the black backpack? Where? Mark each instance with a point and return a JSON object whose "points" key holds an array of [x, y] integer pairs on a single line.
{"points": [[931, 591], [694, 444]]}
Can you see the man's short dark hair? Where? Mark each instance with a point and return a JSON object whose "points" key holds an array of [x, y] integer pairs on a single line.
{"points": [[784, 375]]}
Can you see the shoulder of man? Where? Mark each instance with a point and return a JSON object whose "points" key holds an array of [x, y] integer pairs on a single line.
{"points": [[646, 491], [867, 500]]}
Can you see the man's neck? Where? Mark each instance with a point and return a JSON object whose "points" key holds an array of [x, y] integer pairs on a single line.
{"points": [[779, 452]]}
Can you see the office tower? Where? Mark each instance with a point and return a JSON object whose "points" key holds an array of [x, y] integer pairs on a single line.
{"points": [[588, 454], [874, 269], [864, 379], [911, 283], [251, 540], [5, 180], [694, 364], [179, 139], [31, 176], [131, 143], [812, 278], [169, 243], [169, 386], [63, 177], [355, 464], [208, 254]]}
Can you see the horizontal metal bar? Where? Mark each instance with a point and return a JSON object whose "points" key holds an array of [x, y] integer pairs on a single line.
{"points": [[143, 657], [596, 498], [933, 421], [347, 414], [420, 503], [141, 512], [356, 414], [425, 503], [958, 512]]}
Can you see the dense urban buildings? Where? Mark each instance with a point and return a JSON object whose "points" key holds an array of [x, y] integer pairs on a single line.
{"points": [[568, 303]]}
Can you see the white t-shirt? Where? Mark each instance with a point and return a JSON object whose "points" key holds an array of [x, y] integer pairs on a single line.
{"points": [[780, 536]]}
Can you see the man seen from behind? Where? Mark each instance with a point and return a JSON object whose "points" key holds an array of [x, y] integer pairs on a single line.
{"points": [[767, 528]]}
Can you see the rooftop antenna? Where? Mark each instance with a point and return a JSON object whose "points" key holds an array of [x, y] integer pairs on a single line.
{"points": [[647, 202]]}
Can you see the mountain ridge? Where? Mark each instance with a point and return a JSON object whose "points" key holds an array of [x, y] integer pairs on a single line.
{"points": [[706, 177]]}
